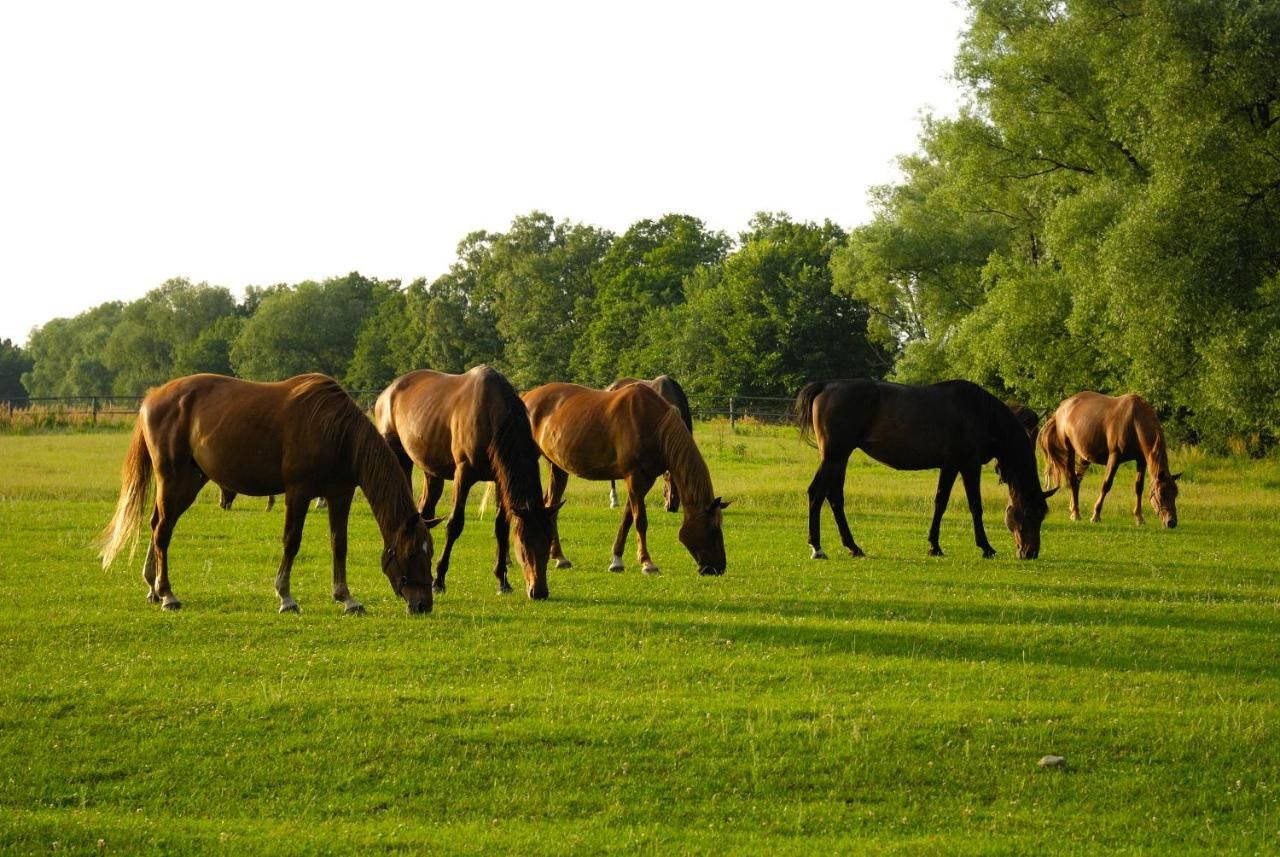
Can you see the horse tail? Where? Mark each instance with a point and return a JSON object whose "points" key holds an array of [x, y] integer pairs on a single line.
{"points": [[131, 508], [804, 409], [485, 499], [1054, 454]]}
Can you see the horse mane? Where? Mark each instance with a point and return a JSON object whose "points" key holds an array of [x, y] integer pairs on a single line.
{"points": [[685, 462], [672, 386], [340, 423], [513, 454], [1014, 451]]}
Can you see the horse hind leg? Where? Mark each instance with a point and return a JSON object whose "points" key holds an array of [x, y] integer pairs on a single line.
{"points": [[828, 486], [557, 479], [637, 488], [295, 515], [613, 494], [174, 495]]}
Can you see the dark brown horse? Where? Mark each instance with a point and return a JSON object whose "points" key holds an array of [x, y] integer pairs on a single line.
{"points": [[955, 426], [630, 433], [1092, 428], [669, 389], [472, 428], [304, 438]]}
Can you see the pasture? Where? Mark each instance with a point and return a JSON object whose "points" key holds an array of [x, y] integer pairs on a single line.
{"points": [[893, 704]]}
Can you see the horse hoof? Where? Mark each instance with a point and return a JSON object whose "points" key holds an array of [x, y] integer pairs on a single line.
{"points": [[857, 552], [650, 568], [988, 553], [816, 553], [353, 609], [563, 563], [172, 604], [935, 552], [437, 588], [153, 598], [1096, 519], [290, 607], [617, 566]]}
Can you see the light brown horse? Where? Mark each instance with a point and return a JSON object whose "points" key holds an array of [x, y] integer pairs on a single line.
{"points": [[1090, 428], [955, 426], [472, 428], [668, 388], [631, 434], [304, 438]]}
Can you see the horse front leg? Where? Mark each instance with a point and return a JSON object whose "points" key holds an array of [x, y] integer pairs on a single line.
{"points": [[295, 515], [1113, 462], [1075, 470], [432, 488], [557, 479], [339, 511], [946, 481], [973, 490], [637, 488], [463, 479], [1137, 492], [502, 535]]}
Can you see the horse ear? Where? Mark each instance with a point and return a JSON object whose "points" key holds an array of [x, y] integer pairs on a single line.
{"points": [[554, 509], [718, 503], [431, 522], [1175, 477], [1046, 495]]}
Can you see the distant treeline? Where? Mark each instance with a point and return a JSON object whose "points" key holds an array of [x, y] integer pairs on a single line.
{"points": [[1103, 214]]}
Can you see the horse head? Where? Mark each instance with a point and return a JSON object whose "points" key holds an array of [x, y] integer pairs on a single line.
{"points": [[531, 527], [407, 563], [1023, 516], [1164, 493], [701, 534]]}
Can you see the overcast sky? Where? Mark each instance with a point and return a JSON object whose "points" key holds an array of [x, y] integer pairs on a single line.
{"points": [[256, 143]]}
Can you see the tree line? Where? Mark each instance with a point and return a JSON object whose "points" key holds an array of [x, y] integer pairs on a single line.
{"points": [[1103, 213]]}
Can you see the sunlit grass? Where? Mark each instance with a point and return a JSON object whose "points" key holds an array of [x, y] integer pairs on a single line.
{"points": [[893, 704]]}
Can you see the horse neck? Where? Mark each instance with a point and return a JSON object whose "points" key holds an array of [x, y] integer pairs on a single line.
{"points": [[380, 478], [513, 457], [1018, 469], [684, 461], [1156, 453]]}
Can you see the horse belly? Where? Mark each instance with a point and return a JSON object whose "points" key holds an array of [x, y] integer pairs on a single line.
{"points": [[902, 458]]}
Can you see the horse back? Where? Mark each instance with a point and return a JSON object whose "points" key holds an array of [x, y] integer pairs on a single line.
{"points": [[598, 434]]}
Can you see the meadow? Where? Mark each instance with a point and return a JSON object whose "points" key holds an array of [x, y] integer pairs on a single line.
{"points": [[893, 704]]}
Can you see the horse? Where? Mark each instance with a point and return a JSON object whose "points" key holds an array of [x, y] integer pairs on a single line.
{"points": [[955, 426], [472, 428], [1092, 428], [669, 389], [630, 433], [303, 437]]}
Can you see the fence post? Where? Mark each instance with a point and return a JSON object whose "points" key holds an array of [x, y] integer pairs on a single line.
{"points": [[732, 421], [95, 410]]}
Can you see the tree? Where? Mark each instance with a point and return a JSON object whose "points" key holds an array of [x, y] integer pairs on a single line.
{"points": [[643, 270], [312, 327], [14, 363], [66, 354]]}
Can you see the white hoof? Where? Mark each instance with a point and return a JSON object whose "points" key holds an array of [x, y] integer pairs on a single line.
{"points": [[650, 568], [816, 553], [616, 564], [290, 606]]}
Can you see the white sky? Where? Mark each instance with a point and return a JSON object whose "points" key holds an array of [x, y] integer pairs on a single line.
{"points": [[261, 142]]}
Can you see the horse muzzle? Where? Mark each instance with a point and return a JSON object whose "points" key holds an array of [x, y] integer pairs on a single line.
{"points": [[419, 607]]}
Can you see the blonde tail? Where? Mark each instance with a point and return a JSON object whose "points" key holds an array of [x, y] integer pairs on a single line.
{"points": [[484, 500], [131, 508]]}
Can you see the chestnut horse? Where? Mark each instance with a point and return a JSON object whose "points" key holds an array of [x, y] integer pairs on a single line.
{"points": [[955, 426], [1093, 428], [669, 389], [304, 437], [472, 428], [630, 433]]}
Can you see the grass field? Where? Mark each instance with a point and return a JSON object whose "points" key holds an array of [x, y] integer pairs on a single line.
{"points": [[894, 704]]}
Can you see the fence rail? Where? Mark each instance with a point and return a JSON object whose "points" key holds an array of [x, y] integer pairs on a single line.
{"points": [[56, 411]]}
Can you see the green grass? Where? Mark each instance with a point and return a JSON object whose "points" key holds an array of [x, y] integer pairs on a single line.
{"points": [[896, 704]]}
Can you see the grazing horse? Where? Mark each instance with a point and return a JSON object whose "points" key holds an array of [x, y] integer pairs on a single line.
{"points": [[1093, 428], [955, 426], [304, 437], [630, 433], [669, 389], [472, 428]]}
